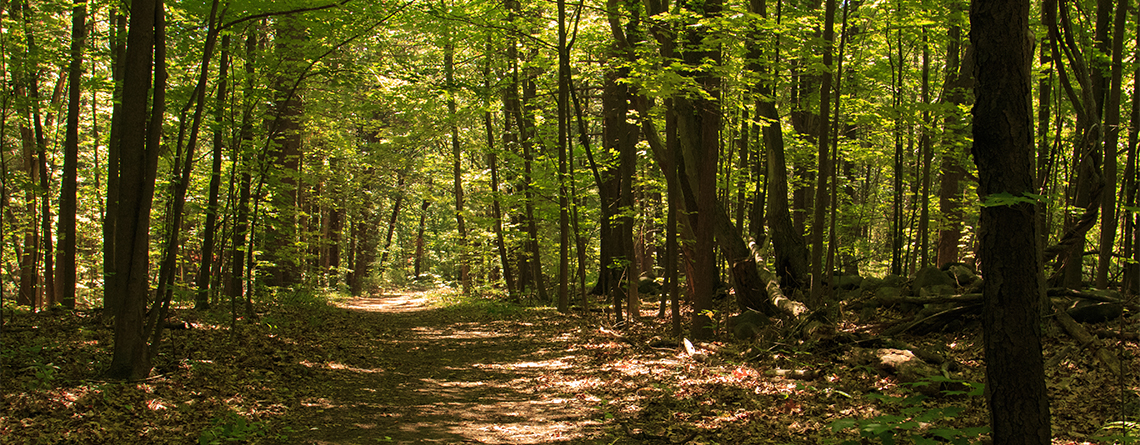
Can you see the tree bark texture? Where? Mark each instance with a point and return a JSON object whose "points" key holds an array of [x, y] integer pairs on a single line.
{"points": [[1011, 261]]}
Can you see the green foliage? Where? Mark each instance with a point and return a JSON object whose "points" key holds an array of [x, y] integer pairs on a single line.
{"points": [[492, 307], [906, 419], [230, 427], [1122, 432]]}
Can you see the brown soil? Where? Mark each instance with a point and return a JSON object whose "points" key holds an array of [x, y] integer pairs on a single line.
{"points": [[432, 376]]}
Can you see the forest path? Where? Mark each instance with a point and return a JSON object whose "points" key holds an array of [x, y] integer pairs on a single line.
{"points": [[403, 371]]}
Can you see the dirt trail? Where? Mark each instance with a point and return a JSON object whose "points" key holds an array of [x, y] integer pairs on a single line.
{"points": [[438, 376]]}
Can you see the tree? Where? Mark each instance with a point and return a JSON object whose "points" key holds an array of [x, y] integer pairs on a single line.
{"points": [[140, 135], [68, 199], [1010, 256]]}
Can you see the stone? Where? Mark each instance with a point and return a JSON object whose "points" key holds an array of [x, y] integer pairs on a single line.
{"points": [[932, 276]]}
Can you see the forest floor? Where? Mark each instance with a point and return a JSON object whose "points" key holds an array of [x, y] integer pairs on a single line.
{"points": [[434, 367]]}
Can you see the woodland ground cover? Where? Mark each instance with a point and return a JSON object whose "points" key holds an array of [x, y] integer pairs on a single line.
{"points": [[433, 366]]}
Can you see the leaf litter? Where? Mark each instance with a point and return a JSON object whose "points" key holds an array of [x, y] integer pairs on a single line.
{"points": [[433, 367]]}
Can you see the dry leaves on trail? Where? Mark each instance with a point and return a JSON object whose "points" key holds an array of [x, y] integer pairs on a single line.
{"points": [[440, 368]]}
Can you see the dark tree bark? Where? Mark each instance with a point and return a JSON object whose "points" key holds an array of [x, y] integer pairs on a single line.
{"points": [[399, 191], [202, 297], [493, 166], [139, 141], [1108, 223], [563, 191], [1010, 256], [65, 267], [824, 172], [456, 164], [281, 229], [959, 80]]}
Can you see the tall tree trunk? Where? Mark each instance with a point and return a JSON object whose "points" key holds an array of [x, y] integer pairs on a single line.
{"points": [[241, 163], [202, 297], [456, 164], [924, 144], [493, 166], [112, 301], [392, 220], [68, 199], [563, 192], [1108, 222], [824, 172], [138, 150], [1011, 261], [285, 129], [959, 79]]}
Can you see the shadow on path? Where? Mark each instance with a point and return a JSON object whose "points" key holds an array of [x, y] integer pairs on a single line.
{"points": [[405, 372]]}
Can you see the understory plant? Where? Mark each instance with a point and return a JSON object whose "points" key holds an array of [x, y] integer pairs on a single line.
{"points": [[907, 419]]}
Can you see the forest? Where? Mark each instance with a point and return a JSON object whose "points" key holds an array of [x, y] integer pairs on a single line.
{"points": [[582, 221]]}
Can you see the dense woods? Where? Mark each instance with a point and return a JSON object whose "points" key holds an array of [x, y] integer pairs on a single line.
{"points": [[776, 159]]}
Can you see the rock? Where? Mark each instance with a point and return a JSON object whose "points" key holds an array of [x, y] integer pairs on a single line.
{"points": [[975, 287], [647, 285], [851, 295], [932, 276], [941, 289], [886, 293], [893, 281], [848, 282], [748, 324], [1095, 312], [962, 274], [871, 284]]}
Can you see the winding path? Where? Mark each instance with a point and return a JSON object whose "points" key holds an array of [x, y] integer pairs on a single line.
{"points": [[437, 376]]}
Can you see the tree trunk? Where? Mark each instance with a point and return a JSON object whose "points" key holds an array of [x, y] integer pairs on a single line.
{"points": [[285, 131], [456, 164], [824, 172], [1011, 261], [202, 298], [138, 150], [563, 191], [68, 202], [1108, 222]]}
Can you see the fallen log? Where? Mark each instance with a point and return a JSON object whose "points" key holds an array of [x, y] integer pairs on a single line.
{"points": [[1082, 336], [1073, 293], [934, 299], [772, 286], [1107, 333]]}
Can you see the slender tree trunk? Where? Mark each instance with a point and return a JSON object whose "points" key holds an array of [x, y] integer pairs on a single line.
{"points": [[68, 202], [419, 261], [563, 128], [1011, 260], [1108, 223], [202, 298], [927, 159], [821, 192], [392, 220], [456, 164], [112, 301]]}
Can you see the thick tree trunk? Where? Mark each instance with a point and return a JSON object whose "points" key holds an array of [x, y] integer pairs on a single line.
{"points": [[138, 148], [1011, 261], [285, 130]]}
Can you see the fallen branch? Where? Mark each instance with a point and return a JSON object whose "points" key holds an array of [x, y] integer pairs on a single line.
{"points": [[1082, 336], [1127, 336]]}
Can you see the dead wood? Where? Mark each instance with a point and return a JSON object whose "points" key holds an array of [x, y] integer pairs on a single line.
{"points": [[772, 287], [1108, 333], [1079, 333]]}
